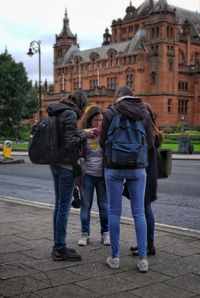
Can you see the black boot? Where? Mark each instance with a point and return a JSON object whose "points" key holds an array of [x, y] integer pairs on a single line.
{"points": [[134, 250], [151, 251]]}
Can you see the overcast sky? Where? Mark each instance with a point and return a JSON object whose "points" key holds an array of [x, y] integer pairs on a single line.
{"points": [[23, 21]]}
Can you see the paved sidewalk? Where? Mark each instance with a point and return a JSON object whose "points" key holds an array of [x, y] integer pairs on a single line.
{"points": [[27, 269]]}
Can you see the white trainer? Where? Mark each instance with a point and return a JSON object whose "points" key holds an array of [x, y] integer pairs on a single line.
{"points": [[105, 238], [113, 262], [85, 239], [143, 265]]}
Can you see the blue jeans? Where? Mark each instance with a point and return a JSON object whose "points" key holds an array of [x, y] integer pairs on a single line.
{"points": [[90, 183], [150, 224], [136, 182], [63, 185]]}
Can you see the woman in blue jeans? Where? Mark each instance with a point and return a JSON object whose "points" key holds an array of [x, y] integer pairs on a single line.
{"points": [[68, 111], [134, 109], [93, 179]]}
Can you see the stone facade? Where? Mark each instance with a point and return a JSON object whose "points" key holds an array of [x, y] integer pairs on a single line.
{"points": [[154, 49]]}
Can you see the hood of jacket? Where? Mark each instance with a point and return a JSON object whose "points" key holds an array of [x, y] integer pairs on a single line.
{"points": [[56, 108], [132, 108]]}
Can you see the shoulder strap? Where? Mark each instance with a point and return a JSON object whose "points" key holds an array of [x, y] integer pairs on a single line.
{"points": [[113, 108]]}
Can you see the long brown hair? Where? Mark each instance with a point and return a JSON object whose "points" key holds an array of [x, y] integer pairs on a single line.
{"points": [[86, 120], [156, 131]]}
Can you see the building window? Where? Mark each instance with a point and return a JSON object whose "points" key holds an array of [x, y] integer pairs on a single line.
{"points": [[171, 32], [93, 84], [170, 64], [76, 85], [136, 28], [182, 106], [183, 86], [157, 32], [167, 32], [129, 81], [169, 105], [124, 30], [153, 77], [103, 64], [154, 50], [110, 60], [130, 29], [152, 33], [62, 83], [181, 57], [112, 83]]}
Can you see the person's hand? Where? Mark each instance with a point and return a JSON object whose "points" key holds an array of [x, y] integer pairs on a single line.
{"points": [[91, 132]]}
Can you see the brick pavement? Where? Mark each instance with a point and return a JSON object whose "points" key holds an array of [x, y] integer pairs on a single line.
{"points": [[27, 269]]}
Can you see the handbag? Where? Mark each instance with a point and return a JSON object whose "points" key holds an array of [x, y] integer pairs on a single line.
{"points": [[164, 162], [76, 203]]}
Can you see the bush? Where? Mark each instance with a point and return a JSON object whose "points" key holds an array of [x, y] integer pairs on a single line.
{"points": [[166, 129]]}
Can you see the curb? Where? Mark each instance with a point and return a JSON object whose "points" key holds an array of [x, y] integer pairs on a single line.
{"points": [[124, 220], [11, 161]]}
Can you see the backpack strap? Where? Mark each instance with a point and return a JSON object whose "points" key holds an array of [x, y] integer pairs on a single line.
{"points": [[114, 109], [116, 112]]}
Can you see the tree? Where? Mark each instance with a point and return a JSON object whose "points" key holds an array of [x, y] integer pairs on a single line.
{"points": [[18, 100]]}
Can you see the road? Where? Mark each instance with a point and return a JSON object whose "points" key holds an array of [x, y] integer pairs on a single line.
{"points": [[178, 202]]}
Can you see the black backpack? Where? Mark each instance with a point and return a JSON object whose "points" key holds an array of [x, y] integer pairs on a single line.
{"points": [[126, 144], [45, 142]]}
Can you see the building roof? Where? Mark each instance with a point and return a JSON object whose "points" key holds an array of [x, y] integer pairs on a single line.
{"points": [[125, 47], [149, 6], [133, 45]]}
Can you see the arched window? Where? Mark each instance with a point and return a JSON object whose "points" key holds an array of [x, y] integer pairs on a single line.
{"points": [[111, 54], [153, 77], [93, 60], [129, 81], [181, 57], [169, 105], [152, 33]]}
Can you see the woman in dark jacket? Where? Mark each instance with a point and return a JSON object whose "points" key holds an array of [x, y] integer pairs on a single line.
{"points": [[151, 186], [134, 109], [68, 112]]}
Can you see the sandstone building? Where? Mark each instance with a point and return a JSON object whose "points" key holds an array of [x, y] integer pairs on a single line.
{"points": [[154, 49]]}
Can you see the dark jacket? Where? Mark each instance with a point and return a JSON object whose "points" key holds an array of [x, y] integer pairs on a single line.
{"points": [[151, 170], [71, 139], [152, 173], [134, 109]]}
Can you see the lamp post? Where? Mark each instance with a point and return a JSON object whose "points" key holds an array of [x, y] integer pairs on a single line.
{"points": [[35, 48]]}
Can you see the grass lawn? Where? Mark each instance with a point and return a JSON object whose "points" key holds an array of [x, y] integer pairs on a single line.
{"points": [[20, 146], [173, 147]]}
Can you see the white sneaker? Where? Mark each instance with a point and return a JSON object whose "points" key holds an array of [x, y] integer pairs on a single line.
{"points": [[143, 265], [85, 239], [105, 238], [113, 262]]}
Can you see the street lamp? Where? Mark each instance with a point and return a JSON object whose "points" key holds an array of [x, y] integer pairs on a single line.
{"points": [[35, 48]]}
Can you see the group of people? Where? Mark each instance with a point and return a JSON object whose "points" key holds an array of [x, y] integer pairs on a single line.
{"points": [[84, 131]]}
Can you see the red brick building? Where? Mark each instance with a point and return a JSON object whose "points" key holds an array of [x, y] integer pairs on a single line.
{"points": [[154, 49]]}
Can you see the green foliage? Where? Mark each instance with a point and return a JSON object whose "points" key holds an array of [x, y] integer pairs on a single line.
{"points": [[194, 135], [17, 99], [197, 127], [167, 129]]}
